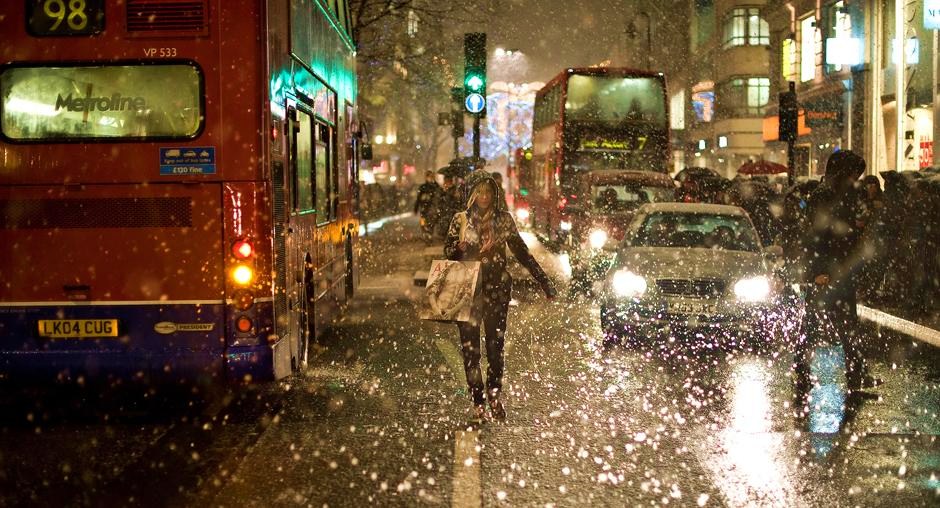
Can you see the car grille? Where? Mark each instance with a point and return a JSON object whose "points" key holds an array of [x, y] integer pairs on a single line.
{"points": [[703, 288]]}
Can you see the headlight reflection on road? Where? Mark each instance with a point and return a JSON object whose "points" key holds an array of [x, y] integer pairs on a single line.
{"points": [[750, 461]]}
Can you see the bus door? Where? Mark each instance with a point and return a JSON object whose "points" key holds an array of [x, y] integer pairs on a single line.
{"points": [[300, 256]]}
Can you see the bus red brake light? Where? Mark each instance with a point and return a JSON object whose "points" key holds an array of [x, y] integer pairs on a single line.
{"points": [[242, 249], [244, 324]]}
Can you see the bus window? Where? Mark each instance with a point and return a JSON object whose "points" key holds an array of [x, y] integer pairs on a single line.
{"points": [[323, 174], [303, 189], [616, 99], [72, 102]]}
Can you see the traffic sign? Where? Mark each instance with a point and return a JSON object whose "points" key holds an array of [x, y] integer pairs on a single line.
{"points": [[475, 103]]}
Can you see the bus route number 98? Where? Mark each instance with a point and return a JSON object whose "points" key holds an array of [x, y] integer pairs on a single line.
{"points": [[64, 17]]}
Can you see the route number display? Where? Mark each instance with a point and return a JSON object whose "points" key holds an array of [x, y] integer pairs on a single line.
{"points": [[64, 17]]}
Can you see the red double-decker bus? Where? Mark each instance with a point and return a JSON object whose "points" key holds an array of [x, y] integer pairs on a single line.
{"points": [[588, 120], [178, 185]]}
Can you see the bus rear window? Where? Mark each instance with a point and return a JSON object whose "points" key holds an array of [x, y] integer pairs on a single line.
{"points": [[63, 103], [616, 100]]}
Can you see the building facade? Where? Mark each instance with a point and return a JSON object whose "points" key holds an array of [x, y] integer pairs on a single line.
{"points": [[843, 57], [727, 83]]}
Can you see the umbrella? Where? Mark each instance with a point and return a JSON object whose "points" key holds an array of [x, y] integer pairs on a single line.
{"points": [[462, 166], [697, 173], [761, 167]]}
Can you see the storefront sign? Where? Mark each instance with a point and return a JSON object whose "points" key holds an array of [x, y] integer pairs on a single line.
{"points": [[844, 50], [824, 113], [932, 14]]}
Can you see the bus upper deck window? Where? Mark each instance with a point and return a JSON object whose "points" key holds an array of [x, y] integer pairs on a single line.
{"points": [[82, 102]]}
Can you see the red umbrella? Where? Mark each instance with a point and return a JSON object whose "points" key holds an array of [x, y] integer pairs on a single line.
{"points": [[761, 167]]}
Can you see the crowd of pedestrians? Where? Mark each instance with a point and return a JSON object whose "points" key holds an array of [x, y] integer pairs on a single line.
{"points": [[897, 217]]}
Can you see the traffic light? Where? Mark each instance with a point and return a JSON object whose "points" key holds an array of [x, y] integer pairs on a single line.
{"points": [[789, 115], [474, 76], [456, 124]]}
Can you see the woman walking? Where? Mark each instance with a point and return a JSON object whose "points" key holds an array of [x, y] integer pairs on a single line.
{"points": [[482, 233]]}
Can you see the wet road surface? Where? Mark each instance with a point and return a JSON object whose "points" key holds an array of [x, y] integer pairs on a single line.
{"points": [[381, 418]]}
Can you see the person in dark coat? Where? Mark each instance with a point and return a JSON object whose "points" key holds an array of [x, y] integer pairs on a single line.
{"points": [[483, 232], [426, 203], [834, 254], [452, 200]]}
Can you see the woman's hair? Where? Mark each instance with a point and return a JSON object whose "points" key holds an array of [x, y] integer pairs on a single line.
{"points": [[476, 192], [483, 220]]}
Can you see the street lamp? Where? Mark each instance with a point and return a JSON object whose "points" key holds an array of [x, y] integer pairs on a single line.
{"points": [[632, 32]]}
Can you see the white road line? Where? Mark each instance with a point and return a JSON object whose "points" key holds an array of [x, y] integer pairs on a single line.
{"points": [[909, 328], [467, 491], [452, 355]]}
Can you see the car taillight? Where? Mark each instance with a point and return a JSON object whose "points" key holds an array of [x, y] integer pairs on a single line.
{"points": [[242, 249]]}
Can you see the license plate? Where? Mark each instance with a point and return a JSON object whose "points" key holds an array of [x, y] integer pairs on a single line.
{"points": [[77, 328], [692, 308]]}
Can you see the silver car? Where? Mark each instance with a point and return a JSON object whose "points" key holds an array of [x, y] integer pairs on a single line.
{"points": [[689, 267]]}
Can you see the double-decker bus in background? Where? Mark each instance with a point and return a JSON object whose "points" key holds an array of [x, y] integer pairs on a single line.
{"points": [[519, 181], [589, 120], [178, 187]]}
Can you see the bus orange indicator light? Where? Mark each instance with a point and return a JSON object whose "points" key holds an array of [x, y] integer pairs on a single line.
{"points": [[242, 249], [243, 275]]}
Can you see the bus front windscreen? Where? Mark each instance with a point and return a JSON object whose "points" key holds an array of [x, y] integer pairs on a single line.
{"points": [[81, 102], [616, 100]]}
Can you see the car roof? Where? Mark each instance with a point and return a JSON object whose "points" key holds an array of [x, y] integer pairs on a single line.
{"points": [[692, 208]]}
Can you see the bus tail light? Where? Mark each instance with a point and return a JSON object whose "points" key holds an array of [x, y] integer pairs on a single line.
{"points": [[244, 324], [242, 249]]}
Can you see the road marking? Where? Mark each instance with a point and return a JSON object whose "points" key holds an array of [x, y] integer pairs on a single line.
{"points": [[467, 485], [909, 328]]}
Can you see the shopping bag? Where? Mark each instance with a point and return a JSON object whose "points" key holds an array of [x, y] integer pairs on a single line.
{"points": [[450, 292]]}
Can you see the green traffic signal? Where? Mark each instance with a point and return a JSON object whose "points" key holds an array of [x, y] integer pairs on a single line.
{"points": [[474, 82]]}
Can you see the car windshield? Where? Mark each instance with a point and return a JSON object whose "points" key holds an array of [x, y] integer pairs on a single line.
{"points": [[612, 198], [696, 230]]}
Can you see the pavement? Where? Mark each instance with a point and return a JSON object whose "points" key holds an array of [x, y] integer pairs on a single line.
{"points": [[380, 418]]}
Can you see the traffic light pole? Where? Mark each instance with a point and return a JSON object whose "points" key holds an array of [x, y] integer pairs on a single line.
{"points": [[476, 135], [788, 115], [791, 163]]}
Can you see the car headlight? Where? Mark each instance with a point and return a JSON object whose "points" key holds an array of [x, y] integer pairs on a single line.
{"points": [[752, 289], [565, 225], [628, 284], [522, 214], [598, 238]]}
